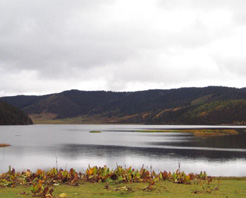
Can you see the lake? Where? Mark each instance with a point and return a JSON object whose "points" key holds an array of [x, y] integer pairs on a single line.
{"points": [[73, 146]]}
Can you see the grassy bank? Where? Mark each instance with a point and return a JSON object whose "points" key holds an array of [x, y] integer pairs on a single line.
{"points": [[233, 187]]}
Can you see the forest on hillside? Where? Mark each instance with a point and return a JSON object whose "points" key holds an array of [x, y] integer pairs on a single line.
{"points": [[10, 115], [209, 105]]}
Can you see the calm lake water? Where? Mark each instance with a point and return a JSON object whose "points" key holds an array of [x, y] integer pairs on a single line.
{"points": [[67, 146]]}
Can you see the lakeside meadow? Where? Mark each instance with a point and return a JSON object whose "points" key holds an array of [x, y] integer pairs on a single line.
{"points": [[119, 182]]}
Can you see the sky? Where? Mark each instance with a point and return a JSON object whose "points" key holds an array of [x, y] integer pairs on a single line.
{"points": [[49, 46]]}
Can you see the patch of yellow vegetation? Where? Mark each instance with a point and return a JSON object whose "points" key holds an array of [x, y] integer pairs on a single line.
{"points": [[177, 109], [204, 113], [128, 117], [161, 112], [95, 132], [197, 132], [167, 110], [211, 133], [43, 117], [74, 120], [4, 145], [145, 115], [218, 107], [201, 100]]}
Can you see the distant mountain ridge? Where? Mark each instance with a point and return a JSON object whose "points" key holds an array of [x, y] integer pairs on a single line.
{"points": [[209, 105], [10, 115]]}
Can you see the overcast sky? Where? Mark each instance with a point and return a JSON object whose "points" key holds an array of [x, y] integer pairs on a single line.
{"points": [[49, 46]]}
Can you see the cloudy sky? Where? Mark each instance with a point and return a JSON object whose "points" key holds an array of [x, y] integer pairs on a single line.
{"points": [[49, 46]]}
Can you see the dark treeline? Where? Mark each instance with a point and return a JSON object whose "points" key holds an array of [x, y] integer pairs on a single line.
{"points": [[10, 115]]}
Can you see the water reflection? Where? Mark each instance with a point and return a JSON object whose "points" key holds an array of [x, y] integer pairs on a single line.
{"points": [[40, 146]]}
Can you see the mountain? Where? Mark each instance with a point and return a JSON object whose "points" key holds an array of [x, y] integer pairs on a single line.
{"points": [[209, 105], [10, 115]]}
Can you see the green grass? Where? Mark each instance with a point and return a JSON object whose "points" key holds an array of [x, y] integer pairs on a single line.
{"points": [[232, 187]]}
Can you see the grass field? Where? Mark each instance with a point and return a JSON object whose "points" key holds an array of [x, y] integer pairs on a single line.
{"points": [[219, 187]]}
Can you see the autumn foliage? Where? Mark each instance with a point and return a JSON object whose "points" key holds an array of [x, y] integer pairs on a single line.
{"points": [[41, 181]]}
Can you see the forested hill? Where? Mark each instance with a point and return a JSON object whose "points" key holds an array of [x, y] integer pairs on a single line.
{"points": [[10, 115], [209, 105]]}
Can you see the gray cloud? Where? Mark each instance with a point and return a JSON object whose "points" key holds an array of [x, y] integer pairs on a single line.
{"points": [[53, 45]]}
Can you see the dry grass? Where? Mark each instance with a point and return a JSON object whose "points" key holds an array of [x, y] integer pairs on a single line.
{"points": [[197, 132]]}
